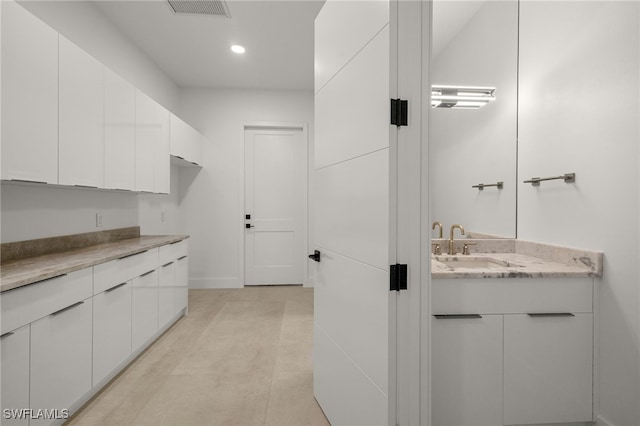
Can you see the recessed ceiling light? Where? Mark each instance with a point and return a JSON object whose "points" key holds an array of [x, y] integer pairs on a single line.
{"points": [[236, 48]]}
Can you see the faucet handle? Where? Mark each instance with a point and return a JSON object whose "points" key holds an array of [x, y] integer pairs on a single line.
{"points": [[436, 249], [465, 248]]}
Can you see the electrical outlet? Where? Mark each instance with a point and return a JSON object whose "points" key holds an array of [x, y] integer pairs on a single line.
{"points": [[163, 216], [98, 220]]}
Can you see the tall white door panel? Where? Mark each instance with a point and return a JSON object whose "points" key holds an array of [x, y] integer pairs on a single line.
{"points": [[273, 206], [29, 96], [145, 154], [350, 215], [119, 132], [81, 117]]}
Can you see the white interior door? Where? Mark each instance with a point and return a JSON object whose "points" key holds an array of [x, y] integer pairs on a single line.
{"points": [[274, 183], [351, 214]]}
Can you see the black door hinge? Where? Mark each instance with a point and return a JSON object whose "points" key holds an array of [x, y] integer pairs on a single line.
{"points": [[398, 277], [399, 112]]}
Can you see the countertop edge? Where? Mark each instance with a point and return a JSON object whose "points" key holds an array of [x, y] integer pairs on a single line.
{"points": [[84, 260]]}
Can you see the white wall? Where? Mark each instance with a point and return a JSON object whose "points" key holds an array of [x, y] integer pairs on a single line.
{"points": [[210, 203], [37, 211], [579, 112], [32, 211]]}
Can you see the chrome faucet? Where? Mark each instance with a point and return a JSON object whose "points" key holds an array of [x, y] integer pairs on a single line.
{"points": [[433, 226], [453, 227]]}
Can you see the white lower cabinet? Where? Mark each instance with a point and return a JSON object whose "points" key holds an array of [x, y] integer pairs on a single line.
{"points": [[525, 358], [61, 357], [63, 336], [165, 295], [144, 308], [466, 381], [111, 329], [548, 361], [15, 374], [181, 289]]}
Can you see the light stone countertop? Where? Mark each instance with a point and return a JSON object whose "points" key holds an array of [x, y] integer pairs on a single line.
{"points": [[29, 270], [510, 258]]}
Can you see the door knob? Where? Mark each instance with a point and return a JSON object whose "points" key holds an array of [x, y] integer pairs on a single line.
{"points": [[315, 256], [248, 225]]}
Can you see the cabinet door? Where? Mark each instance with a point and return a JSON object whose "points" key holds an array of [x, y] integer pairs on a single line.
{"points": [[145, 154], [466, 367], [144, 308], [29, 96], [165, 295], [15, 373], [181, 296], [81, 117], [61, 358], [119, 133], [161, 149], [548, 367], [111, 329]]}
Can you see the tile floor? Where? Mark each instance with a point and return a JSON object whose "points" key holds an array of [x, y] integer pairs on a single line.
{"points": [[241, 357]]}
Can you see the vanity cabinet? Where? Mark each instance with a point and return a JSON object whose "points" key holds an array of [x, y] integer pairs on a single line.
{"points": [[548, 364], [29, 96], [15, 372], [119, 132], [512, 351], [61, 355], [466, 378], [81, 117], [111, 329]]}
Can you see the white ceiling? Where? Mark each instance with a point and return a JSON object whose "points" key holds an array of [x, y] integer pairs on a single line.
{"points": [[194, 50]]}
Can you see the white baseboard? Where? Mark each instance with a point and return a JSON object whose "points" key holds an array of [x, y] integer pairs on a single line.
{"points": [[601, 421], [200, 283]]}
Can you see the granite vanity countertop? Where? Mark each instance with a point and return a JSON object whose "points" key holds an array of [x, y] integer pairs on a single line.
{"points": [[520, 259], [20, 272]]}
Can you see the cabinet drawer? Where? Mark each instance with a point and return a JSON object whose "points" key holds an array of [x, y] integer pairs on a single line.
{"points": [[173, 251], [518, 295], [29, 303], [108, 274]]}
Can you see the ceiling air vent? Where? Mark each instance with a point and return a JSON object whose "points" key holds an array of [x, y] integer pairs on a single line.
{"points": [[200, 7]]}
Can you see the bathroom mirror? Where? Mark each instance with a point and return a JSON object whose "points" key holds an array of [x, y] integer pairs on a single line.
{"points": [[475, 43]]}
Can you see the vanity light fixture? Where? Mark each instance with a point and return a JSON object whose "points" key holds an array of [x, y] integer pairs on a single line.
{"points": [[461, 97]]}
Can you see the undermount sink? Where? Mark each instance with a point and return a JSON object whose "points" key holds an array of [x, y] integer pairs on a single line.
{"points": [[481, 262]]}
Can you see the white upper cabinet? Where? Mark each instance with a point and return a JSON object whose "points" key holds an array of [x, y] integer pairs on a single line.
{"points": [[119, 132], [145, 155], [161, 142], [81, 117], [29, 96], [186, 143]]}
